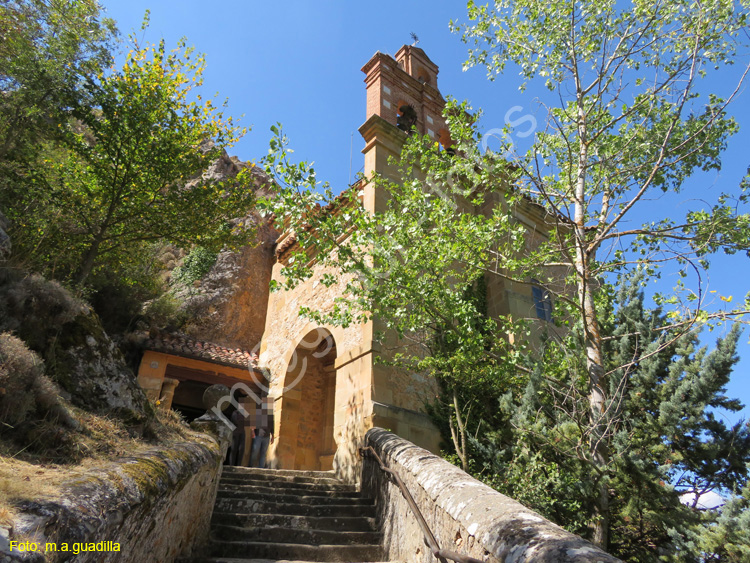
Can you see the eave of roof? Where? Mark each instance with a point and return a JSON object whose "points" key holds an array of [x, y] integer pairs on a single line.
{"points": [[177, 344]]}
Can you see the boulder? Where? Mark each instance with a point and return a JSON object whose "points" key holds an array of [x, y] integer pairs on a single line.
{"points": [[78, 354], [228, 305]]}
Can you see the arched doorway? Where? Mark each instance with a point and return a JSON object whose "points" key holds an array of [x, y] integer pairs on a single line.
{"points": [[308, 404]]}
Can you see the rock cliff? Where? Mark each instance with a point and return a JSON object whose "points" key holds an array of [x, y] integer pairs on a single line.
{"points": [[228, 304], [5, 245]]}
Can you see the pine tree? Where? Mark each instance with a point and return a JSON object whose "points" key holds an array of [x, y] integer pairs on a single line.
{"points": [[727, 536], [662, 435]]}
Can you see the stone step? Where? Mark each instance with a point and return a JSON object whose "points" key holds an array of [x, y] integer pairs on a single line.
{"points": [[234, 469], [263, 507], [287, 485], [319, 499], [302, 552], [295, 522], [270, 516], [294, 535], [236, 560], [288, 490], [265, 478]]}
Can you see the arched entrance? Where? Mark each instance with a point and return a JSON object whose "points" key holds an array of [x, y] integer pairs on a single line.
{"points": [[308, 404]]}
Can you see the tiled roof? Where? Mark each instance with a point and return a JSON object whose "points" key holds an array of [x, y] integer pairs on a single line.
{"points": [[181, 345], [288, 239]]}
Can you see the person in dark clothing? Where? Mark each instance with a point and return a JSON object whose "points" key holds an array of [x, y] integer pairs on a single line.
{"points": [[241, 422], [264, 422]]}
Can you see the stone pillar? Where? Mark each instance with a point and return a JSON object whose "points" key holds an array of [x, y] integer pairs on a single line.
{"points": [[151, 373], [167, 392]]}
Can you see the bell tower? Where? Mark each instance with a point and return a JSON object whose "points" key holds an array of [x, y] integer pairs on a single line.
{"points": [[402, 96]]}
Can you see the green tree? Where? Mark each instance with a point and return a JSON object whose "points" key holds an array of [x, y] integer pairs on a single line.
{"points": [[727, 537], [48, 48], [630, 122], [129, 169], [662, 434]]}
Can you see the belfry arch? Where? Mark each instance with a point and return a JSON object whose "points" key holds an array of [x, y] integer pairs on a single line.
{"points": [[306, 437]]}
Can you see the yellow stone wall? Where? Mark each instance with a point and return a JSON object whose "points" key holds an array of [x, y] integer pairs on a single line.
{"points": [[365, 392]]}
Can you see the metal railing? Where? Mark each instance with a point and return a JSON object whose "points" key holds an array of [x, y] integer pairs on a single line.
{"points": [[429, 537]]}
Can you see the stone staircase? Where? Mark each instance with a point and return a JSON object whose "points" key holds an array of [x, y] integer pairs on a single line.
{"points": [[265, 515]]}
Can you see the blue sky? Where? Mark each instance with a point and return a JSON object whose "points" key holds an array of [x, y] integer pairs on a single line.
{"points": [[298, 63]]}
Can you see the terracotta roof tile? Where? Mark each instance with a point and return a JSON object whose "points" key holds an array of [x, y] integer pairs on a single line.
{"points": [[182, 345]]}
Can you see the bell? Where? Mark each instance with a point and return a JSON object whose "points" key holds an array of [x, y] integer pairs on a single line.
{"points": [[407, 118]]}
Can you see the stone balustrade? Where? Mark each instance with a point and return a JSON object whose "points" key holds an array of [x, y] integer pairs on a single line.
{"points": [[466, 516]]}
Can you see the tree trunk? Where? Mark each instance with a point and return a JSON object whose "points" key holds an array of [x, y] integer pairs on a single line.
{"points": [[89, 259], [593, 343], [597, 405], [459, 438], [597, 396]]}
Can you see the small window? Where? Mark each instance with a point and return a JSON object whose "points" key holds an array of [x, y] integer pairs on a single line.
{"points": [[542, 301], [423, 76]]}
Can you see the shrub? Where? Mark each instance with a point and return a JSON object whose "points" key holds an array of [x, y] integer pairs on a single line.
{"points": [[20, 368], [164, 312], [35, 308], [195, 265], [118, 295], [25, 392]]}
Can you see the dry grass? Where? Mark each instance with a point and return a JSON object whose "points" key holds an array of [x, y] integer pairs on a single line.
{"points": [[173, 424], [40, 475], [99, 437], [23, 481]]}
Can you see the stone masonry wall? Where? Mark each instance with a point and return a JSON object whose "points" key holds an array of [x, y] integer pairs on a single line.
{"points": [[157, 506], [285, 328], [311, 419], [465, 515]]}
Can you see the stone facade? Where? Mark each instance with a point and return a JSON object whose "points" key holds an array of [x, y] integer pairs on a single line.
{"points": [[351, 389], [367, 392], [340, 378]]}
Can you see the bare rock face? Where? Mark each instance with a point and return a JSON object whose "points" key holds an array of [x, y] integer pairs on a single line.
{"points": [[79, 356], [95, 372], [228, 305]]}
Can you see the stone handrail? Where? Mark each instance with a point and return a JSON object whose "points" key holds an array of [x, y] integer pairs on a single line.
{"points": [[464, 514], [429, 537]]}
